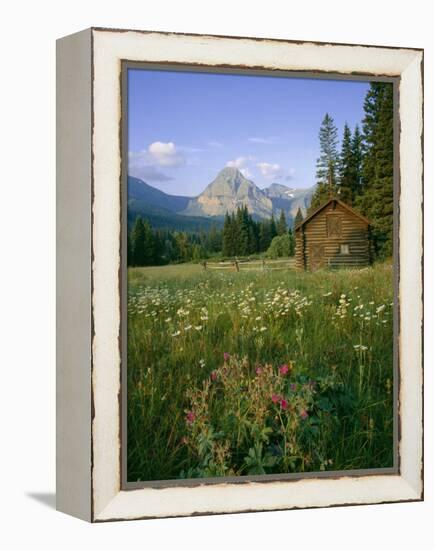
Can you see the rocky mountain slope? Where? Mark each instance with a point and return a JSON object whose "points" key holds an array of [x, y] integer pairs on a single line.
{"points": [[289, 199], [228, 191]]}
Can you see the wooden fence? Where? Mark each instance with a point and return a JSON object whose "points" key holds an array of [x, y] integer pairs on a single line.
{"points": [[251, 265]]}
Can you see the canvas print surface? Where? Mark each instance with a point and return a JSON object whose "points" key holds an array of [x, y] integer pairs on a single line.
{"points": [[260, 269]]}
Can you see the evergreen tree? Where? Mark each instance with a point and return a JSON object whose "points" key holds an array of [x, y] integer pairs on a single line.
{"points": [[291, 242], [273, 227], [158, 248], [264, 236], [327, 163], [376, 200], [214, 240], [371, 107], [242, 222], [142, 243], [149, 251], [138, 242], [235, 235], [227, 245], [185, 249], [298, 217], [345, 173], [281, 224], [174, 251], [129, 250], [198, 252], [253, 241], [356, 163], [255, 227]]}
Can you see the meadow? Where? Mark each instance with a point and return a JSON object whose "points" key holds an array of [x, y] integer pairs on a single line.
{"points": [[258, 372]]}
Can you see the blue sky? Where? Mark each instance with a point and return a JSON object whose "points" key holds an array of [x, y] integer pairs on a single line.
{"points": [[183, 127]]}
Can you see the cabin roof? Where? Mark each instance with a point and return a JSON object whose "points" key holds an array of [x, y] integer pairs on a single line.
{"points": [[318, 210]]}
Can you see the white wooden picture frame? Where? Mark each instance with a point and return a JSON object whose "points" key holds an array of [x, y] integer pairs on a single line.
{"points": [[89, 331]]}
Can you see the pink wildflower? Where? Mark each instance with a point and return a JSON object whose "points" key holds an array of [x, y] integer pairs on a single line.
{"points": [[226, 356], [283, 370], [258, 371], [284, 404], [303, 414], [190, 417], [213, 375], [275, 398]]}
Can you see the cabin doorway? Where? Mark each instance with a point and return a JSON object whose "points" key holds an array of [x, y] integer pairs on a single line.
{"points": [[317, 258]]}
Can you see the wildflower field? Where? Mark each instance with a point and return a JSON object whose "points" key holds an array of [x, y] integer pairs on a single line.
{"points": [[258, 372]]}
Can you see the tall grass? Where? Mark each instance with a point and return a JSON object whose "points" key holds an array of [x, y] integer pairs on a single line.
{"points": [[334, 329]]}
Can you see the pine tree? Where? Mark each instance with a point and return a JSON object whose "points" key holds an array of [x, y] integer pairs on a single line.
{"points": [[235, 235], [138, 242], [227, 245], [255, 226], [292, 242], [158, 248], [149, 251], [264, 236], [345, 172], [298, 217], [371, 107], [376, 200], [273, 227], [281, 224], [327, 163], [214, 240], [184, 246], [242, 221], [356, 163]]}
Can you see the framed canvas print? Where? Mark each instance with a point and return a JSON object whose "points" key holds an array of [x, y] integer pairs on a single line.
{"points": [[239, 274]]}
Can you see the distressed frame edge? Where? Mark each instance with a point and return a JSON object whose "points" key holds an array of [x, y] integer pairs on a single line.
{"points": [[412, 491], [73, 275], [254, 38]]}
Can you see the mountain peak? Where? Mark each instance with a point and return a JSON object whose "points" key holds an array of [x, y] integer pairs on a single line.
{"points": [[280, 186], [228, 191], [279, 190], [229, 171], [231, 175]]}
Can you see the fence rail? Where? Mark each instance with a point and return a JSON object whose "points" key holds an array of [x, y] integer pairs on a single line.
{"points": [[251, 265]]}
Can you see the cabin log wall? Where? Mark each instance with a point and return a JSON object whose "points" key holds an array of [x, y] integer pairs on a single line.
{"points": [[316, 250]]}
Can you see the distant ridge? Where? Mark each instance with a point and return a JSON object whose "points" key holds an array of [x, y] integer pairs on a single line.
{"points": [[161, 209], [227, 192], [141, 191]]}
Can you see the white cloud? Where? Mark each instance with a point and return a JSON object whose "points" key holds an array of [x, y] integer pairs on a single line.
{"points": [[146, 164], [215, 144], [239, 162], [141, 166], [269, 170], [166, 154], [246, 173]]}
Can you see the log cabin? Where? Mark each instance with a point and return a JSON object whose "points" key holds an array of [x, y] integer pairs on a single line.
{"points": [[334, 235]]}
